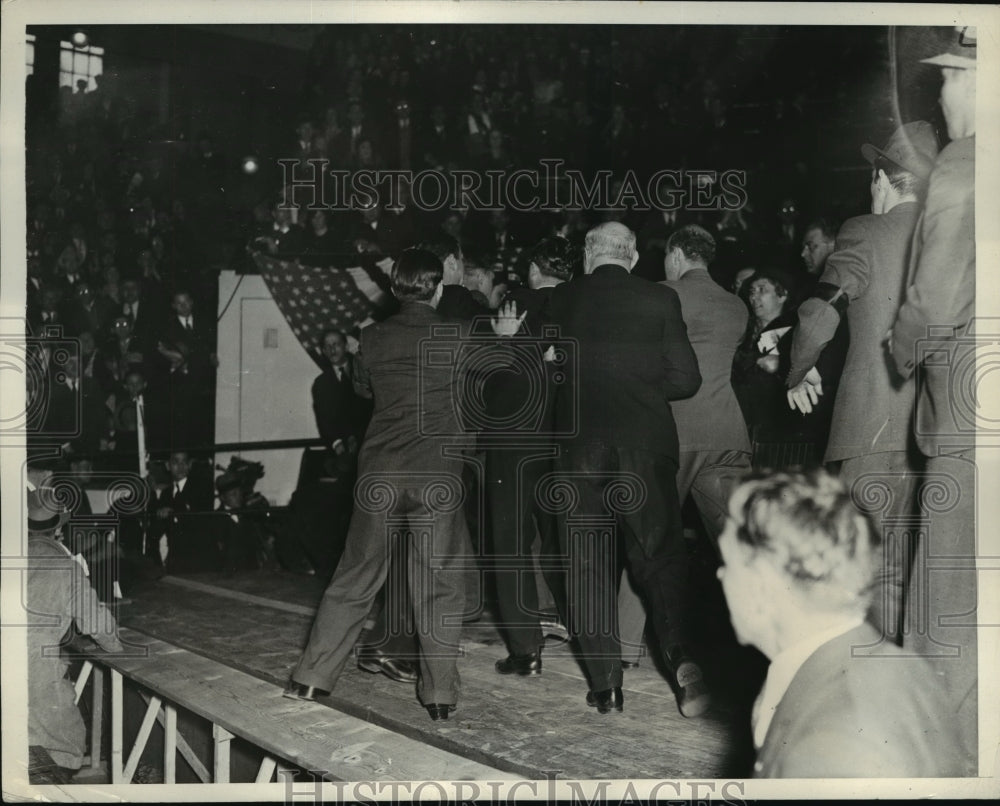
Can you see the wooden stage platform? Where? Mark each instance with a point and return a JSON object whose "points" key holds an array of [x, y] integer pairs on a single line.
{"points": [[530, 727]]}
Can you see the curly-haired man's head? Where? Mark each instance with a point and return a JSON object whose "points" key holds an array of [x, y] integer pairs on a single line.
{"points": [[796, 552]]}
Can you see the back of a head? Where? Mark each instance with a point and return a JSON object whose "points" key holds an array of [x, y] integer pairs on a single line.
{"points": [[696, 243], [556, 257], [611, 242], [441, 244], [806, 527], [905, 183], [416, 275]]}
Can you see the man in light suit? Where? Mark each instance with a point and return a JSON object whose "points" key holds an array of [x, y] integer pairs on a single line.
{"points": [[634, 357], [409, 488], [933, 338], [799, 565], [863, 280], [714, 445]]}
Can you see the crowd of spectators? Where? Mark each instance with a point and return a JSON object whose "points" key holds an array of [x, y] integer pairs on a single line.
{"points": [[127, 230]]}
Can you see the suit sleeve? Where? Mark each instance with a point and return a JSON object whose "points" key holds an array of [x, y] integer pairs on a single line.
{"points": [[457, 302], [92, 616], [943, 286], [323, 410], [683, 377], [362, 378], [845, 278]]}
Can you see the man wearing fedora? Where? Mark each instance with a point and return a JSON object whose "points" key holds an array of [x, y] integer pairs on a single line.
{"points": [[59, 594], [932, 339], [862, 280]]}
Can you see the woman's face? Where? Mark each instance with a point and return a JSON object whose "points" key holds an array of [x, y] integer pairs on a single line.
{"points": [[767, 305]]}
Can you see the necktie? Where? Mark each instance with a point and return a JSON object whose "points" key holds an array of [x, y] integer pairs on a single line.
{"points": [[340, 373], [177, 489], [187, 323]]}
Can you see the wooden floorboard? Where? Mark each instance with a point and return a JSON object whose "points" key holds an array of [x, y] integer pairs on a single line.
{"points": [[531, 727], [309, 735]]}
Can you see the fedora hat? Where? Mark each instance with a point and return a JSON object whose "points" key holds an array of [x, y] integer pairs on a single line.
{"points": [[961, 50], [913, 147], [42, 514]]}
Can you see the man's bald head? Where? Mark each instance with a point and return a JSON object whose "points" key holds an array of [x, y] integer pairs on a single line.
{"points": [[610, 242]]}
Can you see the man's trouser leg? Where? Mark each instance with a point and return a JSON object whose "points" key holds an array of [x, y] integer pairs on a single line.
{"points": [[654, 545], [588, 535], [346, 602], [711, 479], [438, 546], [941, 606], [511, 503], [391, 627], [884, 486]]}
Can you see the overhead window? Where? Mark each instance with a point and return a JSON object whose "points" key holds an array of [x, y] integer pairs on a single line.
{"points": [[77, 64]]}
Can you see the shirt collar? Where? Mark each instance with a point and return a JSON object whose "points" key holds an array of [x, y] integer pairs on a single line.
{"points": [[782, 671]]}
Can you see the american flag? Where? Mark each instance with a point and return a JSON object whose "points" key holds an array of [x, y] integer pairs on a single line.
{"points": [[313, 299]]}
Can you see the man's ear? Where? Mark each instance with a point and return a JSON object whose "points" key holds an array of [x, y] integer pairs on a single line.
{"points": [[635, 259], [437, 294]]}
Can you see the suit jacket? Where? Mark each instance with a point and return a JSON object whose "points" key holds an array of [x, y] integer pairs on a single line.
{"points": [[716, 321], [199, 341], [340, 413], [861, 717], [873, 406], [415, 416], [634, 358], [941, 292]]}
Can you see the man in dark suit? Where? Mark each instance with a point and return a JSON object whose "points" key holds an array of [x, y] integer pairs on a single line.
{"points": [[440, 143], [863, 279], [518, 439], [933, 337], [409, 486], [341, 415], [714, 445], [187, 347], [634, 356], [141, 312], [799, 562], [174, 534]]}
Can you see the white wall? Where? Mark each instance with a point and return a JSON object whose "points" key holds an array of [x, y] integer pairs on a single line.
{"points": [[262, 391]]}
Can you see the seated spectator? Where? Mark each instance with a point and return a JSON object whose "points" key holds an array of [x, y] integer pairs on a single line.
{"points": [[321, 246], [57, 586], [798, 574], [77, 410], [178, 511], [84, 310], [122, 353], [239, 540]]}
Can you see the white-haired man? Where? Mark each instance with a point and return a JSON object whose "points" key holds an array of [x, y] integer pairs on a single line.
{"points": [[634, 356]]}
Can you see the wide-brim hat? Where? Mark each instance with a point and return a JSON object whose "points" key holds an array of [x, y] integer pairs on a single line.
{"points": [[227, 481], [913, 147], [961, 51]]}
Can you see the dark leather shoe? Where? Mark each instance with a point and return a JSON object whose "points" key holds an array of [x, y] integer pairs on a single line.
{"points": [[377, 662], [439, 710], [297, 691], [527, 665], [630, 664], [605, 700], [695, 698]]}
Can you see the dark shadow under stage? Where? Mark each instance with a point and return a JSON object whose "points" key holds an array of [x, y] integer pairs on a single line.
{"points": [[535, 727]]}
